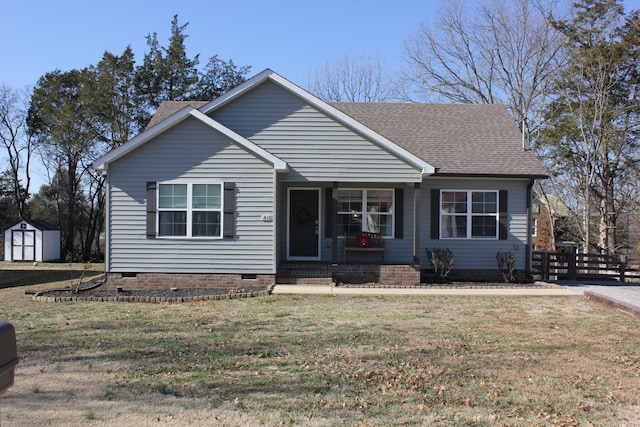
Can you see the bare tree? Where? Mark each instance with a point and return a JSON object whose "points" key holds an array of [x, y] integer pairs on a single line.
{"points": [[349, 79], [18, 145], [495, 52]]}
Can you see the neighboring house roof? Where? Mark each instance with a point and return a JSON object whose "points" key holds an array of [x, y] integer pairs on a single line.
{"points": [[555, 204], [458, 139]]}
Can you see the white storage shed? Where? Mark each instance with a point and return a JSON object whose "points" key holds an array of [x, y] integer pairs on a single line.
{"points": [[32, 240]]}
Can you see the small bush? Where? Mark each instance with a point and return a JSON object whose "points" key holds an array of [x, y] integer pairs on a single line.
{"points": [[507, 266], [442, 261]]}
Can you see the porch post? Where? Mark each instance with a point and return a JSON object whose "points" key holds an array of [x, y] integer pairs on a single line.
{"points": [[334, 224], [416, 224]]}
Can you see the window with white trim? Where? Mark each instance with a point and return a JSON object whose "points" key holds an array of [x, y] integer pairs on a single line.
{"points": [[190, 210], [368, 210], [469, 214]]}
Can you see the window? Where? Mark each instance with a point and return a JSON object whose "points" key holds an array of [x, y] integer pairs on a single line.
{"points": [[190, 210], [534, 227], [469, 215], [365, 210]]}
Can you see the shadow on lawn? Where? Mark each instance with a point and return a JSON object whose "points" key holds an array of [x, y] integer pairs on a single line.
{"points": [[14, 278]]}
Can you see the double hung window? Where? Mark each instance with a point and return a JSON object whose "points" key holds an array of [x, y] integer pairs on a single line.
{"points": [[469, 215], [366, 210], [190, 210]]}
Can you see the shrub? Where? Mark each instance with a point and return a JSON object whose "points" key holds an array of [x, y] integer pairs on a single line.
{"points": [[507, 266], [442, 261]]}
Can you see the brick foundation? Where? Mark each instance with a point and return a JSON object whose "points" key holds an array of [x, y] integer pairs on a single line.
{"points": [[144, 281]]}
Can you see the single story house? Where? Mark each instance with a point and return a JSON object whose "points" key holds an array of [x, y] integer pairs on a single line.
{"points": [[269, 183], [32, 240]]}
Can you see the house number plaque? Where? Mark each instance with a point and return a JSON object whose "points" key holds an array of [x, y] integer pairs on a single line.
{"points": [[267, 217]]}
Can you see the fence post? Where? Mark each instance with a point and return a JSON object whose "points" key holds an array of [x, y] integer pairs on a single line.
{"points": [[545, 265], [572, 270], [623, 267]]}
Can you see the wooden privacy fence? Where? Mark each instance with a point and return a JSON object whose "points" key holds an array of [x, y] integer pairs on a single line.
{"points": [[574, 266]]}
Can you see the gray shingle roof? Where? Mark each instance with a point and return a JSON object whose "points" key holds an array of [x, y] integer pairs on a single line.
{"points": [[466, 139], [167, 108], [457, 139]]}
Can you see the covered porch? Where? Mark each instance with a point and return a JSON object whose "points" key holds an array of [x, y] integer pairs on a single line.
{"points": [[347, 224]]}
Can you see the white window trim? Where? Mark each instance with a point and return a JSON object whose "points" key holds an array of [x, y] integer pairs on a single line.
{"points": [[190, 209], [470, 215], [364, 206]]}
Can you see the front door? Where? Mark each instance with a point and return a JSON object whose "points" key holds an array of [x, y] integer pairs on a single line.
{"points": [[23, 245], [304, 223]]}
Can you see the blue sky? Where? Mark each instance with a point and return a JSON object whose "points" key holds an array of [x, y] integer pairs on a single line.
{"points": [[291, 37]]}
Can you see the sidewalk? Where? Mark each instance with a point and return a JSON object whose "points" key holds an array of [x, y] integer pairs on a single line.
{"points": [[625, 297], [338, 290]]}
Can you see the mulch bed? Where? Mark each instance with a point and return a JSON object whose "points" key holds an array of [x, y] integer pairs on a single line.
{"points": [[150, 296], [100, 294]]}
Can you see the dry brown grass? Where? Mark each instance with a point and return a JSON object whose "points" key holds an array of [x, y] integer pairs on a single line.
{"points": [[322, 360]]}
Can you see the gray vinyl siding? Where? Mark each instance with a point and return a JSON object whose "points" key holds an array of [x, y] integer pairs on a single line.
{"points": [[316, 147], [477, 253], [188, 151]]}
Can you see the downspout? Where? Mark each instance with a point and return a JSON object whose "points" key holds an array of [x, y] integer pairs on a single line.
{"points": [[528, 254]]}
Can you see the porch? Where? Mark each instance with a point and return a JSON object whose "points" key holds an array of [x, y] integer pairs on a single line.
{"points": [[326, 273]]}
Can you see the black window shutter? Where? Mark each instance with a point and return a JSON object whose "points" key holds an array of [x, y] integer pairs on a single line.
{"points": [[399, 225], [503, 216], [435, 214], [328, 212], [151, 209], [229, 209]]}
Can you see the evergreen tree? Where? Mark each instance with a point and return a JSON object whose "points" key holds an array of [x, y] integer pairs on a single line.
{"points": [[218, 78], [590, 136], [166, 74]]}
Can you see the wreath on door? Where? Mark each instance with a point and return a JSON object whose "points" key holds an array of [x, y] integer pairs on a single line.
{"points": [[303, 216]]}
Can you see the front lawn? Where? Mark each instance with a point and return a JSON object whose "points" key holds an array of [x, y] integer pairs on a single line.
{"points": [[322, 361]]}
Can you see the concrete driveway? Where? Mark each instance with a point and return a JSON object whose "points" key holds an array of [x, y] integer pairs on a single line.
{"points": [[625, 296]]}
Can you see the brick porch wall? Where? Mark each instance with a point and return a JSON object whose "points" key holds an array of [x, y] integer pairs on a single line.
{"points": [[144, 281], [383, 274]]}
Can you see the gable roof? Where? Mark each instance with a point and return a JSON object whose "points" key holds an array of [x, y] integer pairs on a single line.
{"points": [[445, 139], [421, 163], [458, 139], [40, 224], [187, 111]]}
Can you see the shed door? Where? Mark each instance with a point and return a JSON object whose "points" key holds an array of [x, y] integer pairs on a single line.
{"points": [[23, 245]]}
